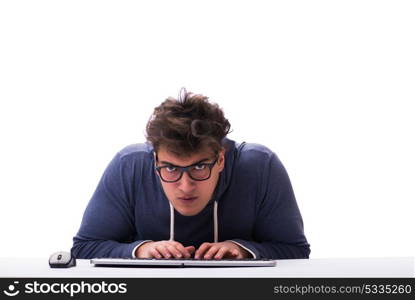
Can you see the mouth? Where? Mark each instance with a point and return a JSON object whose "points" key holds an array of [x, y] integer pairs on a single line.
{"points": [[187, 199]]}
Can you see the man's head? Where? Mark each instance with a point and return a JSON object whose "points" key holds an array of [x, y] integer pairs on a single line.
{"points": [[188, 133]]}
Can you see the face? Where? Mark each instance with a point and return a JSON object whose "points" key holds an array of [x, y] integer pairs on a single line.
{"points": [[189, 196]]}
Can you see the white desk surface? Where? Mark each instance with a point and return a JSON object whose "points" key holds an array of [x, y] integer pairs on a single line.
{"points": [[330, 267]]}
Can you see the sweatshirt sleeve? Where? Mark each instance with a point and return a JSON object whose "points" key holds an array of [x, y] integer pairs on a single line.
{"points": [[107, 228], [278, 231]]}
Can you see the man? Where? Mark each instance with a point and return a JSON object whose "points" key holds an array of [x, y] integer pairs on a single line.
{"points": [[191, 192]]}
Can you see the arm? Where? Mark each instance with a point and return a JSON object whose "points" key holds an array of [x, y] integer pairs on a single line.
{"points": [[278, 231], [107, 228]]}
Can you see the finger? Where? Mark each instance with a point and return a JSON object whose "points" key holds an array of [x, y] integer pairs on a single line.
{"points": [[202, 249], [212, 251], [143, 250], [191, 249], [154, 253], [174, 251], [236, 254], [163, 251], [221, 253], [184, 252], [180, 248]]}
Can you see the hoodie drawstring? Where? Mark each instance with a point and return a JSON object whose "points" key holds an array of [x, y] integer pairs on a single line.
{"points": [[171, 222], [215, 221]]}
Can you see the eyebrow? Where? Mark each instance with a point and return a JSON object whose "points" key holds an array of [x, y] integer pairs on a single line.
{"points": [[171, 164]]}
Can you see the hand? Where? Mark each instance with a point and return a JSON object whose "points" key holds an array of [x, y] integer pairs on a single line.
{"points": [[164, 249], [221, 250]]}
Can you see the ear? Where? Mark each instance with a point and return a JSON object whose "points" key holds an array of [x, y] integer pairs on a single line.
{"points": [[221, 159], [155, 163]]}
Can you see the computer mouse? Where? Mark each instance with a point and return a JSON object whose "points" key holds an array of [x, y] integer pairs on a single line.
{"points": [[62, 259]]}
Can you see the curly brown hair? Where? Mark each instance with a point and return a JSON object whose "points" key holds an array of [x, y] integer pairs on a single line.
{"points": [[187, 125]]}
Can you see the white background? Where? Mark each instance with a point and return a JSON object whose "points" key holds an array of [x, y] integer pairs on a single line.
{"points": [[328, 85]]}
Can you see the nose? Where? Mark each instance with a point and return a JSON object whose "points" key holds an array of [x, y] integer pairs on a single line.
{"points": [[186, 184]]}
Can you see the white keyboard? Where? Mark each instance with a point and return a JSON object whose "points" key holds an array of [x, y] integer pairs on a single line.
{"points": [[189, 262]]}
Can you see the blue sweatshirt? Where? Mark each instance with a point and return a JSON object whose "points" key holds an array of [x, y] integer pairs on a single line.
{"points": [[254, 206]]}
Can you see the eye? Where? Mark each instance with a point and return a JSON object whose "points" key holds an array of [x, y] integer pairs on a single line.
{"points": [[200, 167], [171, 169]]}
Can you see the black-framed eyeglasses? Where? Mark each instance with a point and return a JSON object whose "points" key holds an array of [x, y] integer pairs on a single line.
{"points": [[199, 171]]}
